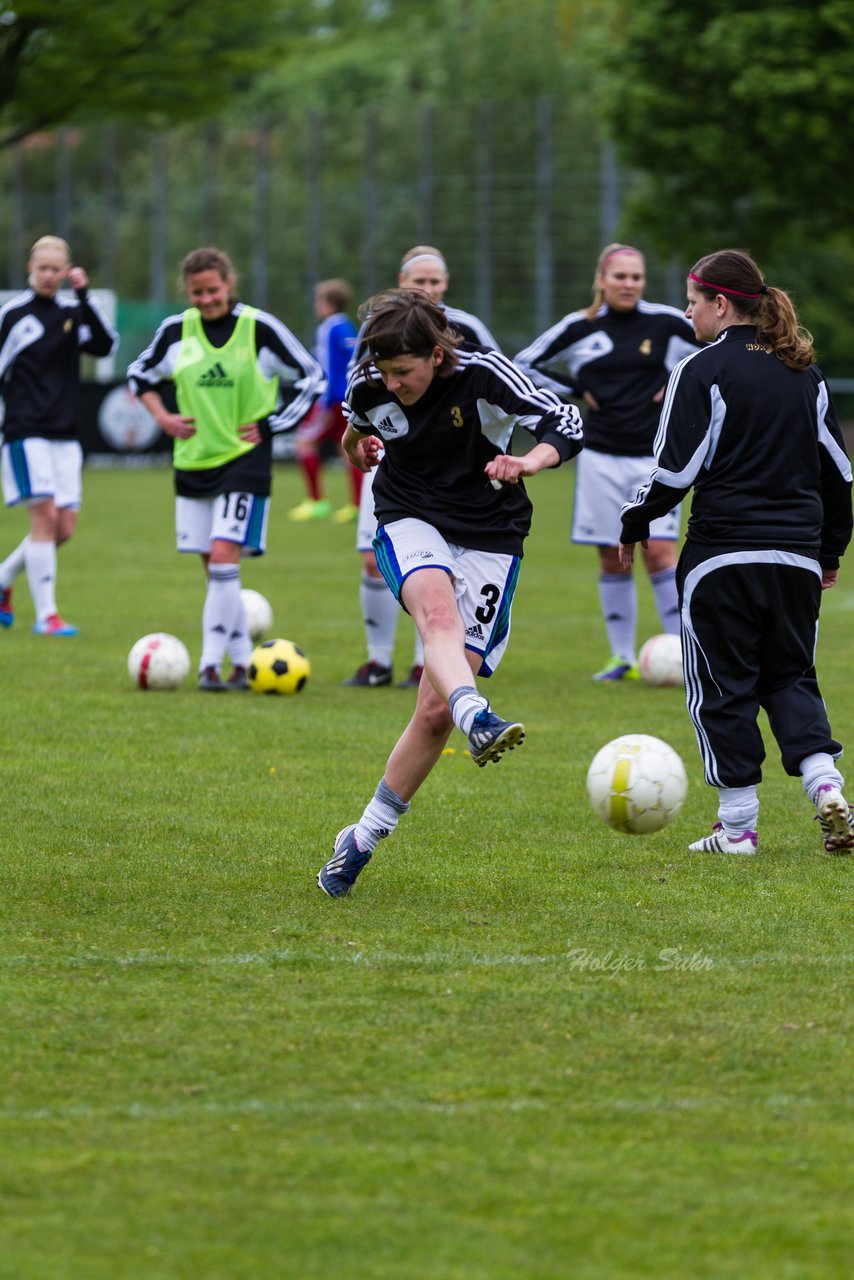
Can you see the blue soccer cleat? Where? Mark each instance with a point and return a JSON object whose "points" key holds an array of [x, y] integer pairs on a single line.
{"points": [[7, 613], [53, 625], [339, 875], [490, 737]]}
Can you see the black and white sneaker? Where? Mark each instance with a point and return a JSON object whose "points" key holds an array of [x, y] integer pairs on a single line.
{"points": [[370, 676], [490, 737], [210, 681], [339, 875]]}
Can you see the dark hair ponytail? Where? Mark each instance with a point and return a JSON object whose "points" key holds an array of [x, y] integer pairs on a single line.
{"points": [[735, 275]]}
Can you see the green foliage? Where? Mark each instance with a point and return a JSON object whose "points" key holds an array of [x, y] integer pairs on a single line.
{"points": [[440, 50], [210, 1070], [165, 59], [737, 115]]}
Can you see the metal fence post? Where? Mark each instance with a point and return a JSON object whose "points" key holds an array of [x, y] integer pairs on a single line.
{"points": [[17, 251], [260, 240], [609, 193], [62, 212], [544, 266], [483, 214], [426, 180], [370, 205], [314, 204], [157, 242]]}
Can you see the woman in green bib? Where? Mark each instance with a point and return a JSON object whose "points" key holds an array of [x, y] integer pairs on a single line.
{"points": [[238, 376]]}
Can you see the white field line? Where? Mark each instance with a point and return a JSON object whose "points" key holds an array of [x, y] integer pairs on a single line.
{"points": [[428, 960], [382, 1104]]}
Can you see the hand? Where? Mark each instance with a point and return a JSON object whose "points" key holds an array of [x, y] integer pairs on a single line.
{"points": [[362, 451], [659, 396], [627, 553], [250, 432], [590, 400], [829, 578], [78, 278], [508, 469], [177, 426]]}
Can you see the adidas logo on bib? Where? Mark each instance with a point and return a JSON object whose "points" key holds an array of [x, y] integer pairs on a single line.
{"points": [[216, 376]]}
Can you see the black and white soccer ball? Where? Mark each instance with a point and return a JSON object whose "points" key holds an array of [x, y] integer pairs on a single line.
{"points": [[278, 666]]}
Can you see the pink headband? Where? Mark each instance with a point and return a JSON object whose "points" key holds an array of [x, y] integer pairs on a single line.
{"points": [[720, 288], [624, 248]]}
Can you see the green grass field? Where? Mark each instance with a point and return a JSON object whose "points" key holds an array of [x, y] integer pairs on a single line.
{"points": [[525, 1047]]}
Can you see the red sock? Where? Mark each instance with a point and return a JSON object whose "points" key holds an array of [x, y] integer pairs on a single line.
{"points": [[356, 478], [311, 470]]}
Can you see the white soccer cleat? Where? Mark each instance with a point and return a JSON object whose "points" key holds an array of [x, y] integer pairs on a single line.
{"points": [[720, 842], [835, 819]]}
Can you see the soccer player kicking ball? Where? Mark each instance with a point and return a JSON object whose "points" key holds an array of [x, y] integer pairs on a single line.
{"points": [[452, 515]]}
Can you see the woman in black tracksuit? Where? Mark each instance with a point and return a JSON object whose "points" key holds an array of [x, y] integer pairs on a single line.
{"points": [[747, 422]]}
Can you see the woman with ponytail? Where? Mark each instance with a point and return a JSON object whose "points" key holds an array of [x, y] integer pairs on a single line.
{"points": [[748, 424]]}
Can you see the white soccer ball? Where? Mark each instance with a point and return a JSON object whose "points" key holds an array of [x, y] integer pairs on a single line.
{"points": [[637, 784], [660, 661], [259, 615], [158, 661]]}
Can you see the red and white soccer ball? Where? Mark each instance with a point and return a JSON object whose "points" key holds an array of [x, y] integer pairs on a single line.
{"points": [[637, 784], [158, 661], [660, 661], [259, 614]]}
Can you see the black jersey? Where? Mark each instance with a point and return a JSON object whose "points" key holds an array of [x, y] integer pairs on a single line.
{"points": [[761, 446], [437, 448], [622, 358], [40, 344]]}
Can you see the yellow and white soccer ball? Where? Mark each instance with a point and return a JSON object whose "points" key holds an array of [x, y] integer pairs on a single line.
{"points": [[259, 614], [278, 666], [158, 661], [637, 784], [660, 661]]}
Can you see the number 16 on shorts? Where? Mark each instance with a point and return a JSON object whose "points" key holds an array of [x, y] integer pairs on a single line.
{"points": [[229, 517]]}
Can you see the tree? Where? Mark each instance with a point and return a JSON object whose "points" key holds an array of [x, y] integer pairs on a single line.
{"points": [[381, 52], [66, 60], [737, 113]]}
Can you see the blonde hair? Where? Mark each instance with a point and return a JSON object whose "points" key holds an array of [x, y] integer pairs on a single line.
{"points": [[55, 244], [422, 251], [608, 252]]}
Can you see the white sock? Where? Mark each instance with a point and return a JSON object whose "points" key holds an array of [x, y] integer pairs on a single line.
{"points": [[221, 605], [380, 818], [14, 563], [240, 643], [819, 770], [666, 598], [380, 612], [464, 703], [738, 810], [40, 559], [618, 598]]}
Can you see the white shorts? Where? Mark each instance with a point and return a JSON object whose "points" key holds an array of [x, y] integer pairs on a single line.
{"points": [[484, 581], [604, 483], [231, 517], [36, 469], [366, 529]]}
